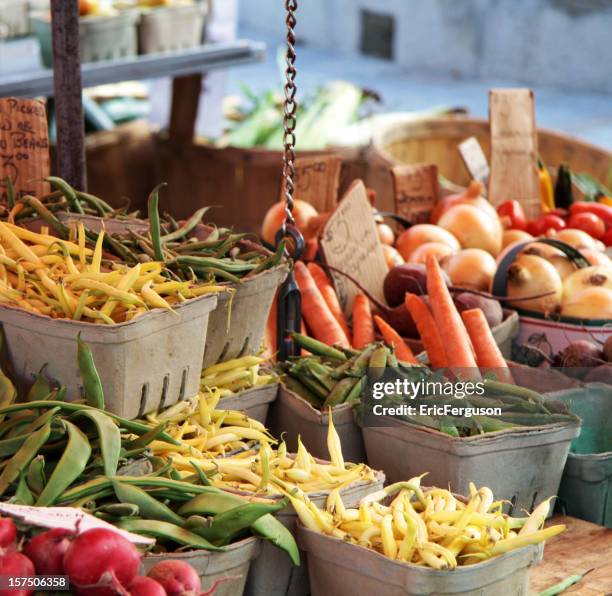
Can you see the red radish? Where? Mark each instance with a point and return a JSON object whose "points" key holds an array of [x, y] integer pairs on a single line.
{"points": [[8, 533], [145, 586], [15, 564], [47, 551], [176, 577], [101, 561]]}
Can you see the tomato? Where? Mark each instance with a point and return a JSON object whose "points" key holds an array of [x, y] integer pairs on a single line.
{"points": [[607, 238], [604, 212], [540, 226], [513, 212], [589, 223]]}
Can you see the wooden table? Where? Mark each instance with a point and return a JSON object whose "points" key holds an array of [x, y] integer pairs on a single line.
{"points": [[581, 547]]}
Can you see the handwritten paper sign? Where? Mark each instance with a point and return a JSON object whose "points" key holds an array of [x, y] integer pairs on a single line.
{"points": [[416, 191], [317, 180], [24, 147], [475, 160], [514, 149], [350, 243], [68, 518]]}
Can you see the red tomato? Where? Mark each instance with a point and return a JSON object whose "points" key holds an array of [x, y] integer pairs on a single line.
{"points": [[589, 223], [515, 214], [607, 238], [540, 226]]}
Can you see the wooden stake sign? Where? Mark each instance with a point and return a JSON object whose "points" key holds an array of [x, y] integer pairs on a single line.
{"points": [[317, 180], [24, 147], [475, 160], [514, 149], [416, 191], [350, 243]]}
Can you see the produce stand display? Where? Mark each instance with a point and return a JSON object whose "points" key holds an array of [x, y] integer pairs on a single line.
{"points": [[362, 396]]}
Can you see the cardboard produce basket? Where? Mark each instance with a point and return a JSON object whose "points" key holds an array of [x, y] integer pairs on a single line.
{"points": [[145, 364], [237, 325], [586, 485], [101, 37], [254, 402], [338, 567], [171, 28], [293, 416], [523, 465], [273, 573], [232, 563]]}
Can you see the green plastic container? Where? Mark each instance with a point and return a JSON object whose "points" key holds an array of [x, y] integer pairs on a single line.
{"points": [[586, 485]]}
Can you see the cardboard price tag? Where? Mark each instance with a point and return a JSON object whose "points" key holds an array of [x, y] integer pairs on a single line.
{"points": [[317, 180], [24, 147], [475, 160], [514, 149], [350, 243], [68, 518], [416, 191]]}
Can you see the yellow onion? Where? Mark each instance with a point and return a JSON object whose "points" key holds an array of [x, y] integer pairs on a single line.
{"points": [[473, 227], [594, 302], [596, 276], [530, 275], [575, 238], [472, 268], [514, 236], [560, 261], [409, 240], [437, 249]]}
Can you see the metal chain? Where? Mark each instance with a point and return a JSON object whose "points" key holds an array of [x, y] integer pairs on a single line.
{"points": [[289, 118]]}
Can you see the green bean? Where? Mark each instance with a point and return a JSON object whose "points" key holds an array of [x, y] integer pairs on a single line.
{"points": [[148, 506], [489, 425], [165, 531], [317, 347], [69, 467], [120, 249], [320, 372], [40, 389], [23, 496], [92, 385], [340, 392], [154, 225], [312, 385], [26, 453], [148, 437], [516, 390], [295, 385], [227, 524], [226, 265], [200, 473], [220, 273], [12, 445], [270, 262], [119, 509], [110, 438], [101, 206], [360, 364], [170, 221], [528, 419], [8, 393], [35, 475], [354, 394], [10, 192], [189, 225], [564, 585], [379, 358], [68, 192], [47, 216]]}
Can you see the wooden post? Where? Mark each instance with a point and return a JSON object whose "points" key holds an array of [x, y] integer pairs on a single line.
{"points": [[68, 93], [185, 102]]}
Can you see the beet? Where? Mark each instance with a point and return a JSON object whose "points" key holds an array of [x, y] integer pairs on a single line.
{"points": [[490, 307], [607, 349], [399, 318], [578, 357], [176, 577], [408, 277], [600, 374]]}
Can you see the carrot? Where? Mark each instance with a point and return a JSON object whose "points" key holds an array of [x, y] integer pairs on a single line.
{"points": [[363, 326], [430, 336], [393, 338], [488, 354], [457, 345], [329, 295], [319, 318], [311, 249]]}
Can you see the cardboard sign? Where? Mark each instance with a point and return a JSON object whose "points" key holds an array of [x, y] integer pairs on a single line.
{"points": [[475, 160], [350, 243], [416, 191], [24, 147], [68, 518], [317, 180], [514, 149]]}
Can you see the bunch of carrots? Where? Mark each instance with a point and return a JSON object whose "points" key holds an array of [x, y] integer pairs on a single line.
{"points": [[451, 339]]}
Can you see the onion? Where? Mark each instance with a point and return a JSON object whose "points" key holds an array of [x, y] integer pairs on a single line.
{"points": [[595, 257], [490, 307], [595, 276], [410, 239], [14, 564], [576, 238], [560, 261], [471, 268], [145, 586], [474, 228], [514, 236], [530, 276], [47, 551], [101, 558], [385, 234], [593, 303], [437, 249], [392, 256], [470, 196], [176, 577], [302, 212]]}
